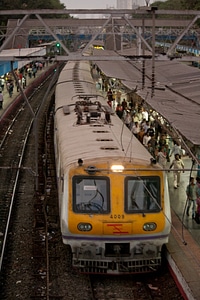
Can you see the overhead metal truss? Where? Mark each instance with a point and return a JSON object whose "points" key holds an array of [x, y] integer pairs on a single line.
{"points": [[115, 23]]}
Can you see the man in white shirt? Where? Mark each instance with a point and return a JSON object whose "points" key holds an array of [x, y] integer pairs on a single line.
{"points": [[178, 165]]}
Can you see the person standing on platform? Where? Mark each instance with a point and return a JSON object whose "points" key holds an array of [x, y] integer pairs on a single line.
{"points": [[24, 82], [119, 110], [146, 139], [128, 120], [151, 130], [198, 194], [10, 89], [178, 165], [110, 95], [152, 146], [176, 150], [191, 197], [135, 129], [1, 100], [124, 105], [162, 157], [2, 83]]}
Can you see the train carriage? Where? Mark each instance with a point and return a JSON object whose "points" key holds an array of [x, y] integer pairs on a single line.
{"points": [[113, 197]]}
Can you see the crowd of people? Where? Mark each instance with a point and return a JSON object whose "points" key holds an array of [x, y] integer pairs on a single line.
{"points": [[8, 82], [148, 131]]}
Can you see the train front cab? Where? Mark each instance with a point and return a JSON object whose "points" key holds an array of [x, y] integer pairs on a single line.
{"points": [[116, 222]]}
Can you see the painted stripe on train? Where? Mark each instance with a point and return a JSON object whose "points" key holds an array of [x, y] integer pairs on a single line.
{"points": [[116, 238]]}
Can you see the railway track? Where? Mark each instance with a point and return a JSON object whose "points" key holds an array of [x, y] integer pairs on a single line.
{"points": [[137, 287], [14, 147], [10, 182]]}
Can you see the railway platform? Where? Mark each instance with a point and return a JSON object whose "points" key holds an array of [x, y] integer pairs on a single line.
{"points": [[183, 249], [8, 100]]}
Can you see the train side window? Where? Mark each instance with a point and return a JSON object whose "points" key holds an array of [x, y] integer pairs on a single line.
{"points": [[142, 194], [91, 194]]}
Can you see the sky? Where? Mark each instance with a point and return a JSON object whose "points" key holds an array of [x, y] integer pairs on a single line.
{"points": [[89, 4]]}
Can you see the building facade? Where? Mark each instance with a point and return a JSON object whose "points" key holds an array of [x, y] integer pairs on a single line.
{"points": [[129, 4], [124, 4]]}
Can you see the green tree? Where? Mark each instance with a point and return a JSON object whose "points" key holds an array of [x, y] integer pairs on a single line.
{"points": [[28, 4], [178, 4], [41, 4], [31, 4], [191, 4], [170, 4]]}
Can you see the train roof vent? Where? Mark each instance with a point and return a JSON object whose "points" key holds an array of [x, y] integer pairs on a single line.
{"points": [[109, 148], [78, 87], [101, 131], [104, 140], [75, 76]]}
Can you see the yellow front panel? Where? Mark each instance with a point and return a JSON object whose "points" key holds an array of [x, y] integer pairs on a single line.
{"points": [[117, 222]]}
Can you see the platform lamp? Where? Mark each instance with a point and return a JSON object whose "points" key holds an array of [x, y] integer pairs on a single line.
{"points": [[143, 49], [152, 10]]}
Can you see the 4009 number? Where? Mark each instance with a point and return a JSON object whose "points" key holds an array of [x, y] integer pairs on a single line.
{"points": [[117, 217]]}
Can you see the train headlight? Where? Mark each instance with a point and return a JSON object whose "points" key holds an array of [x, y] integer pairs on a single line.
{"points": [[84, 227], [117, 168], [151, 226]]}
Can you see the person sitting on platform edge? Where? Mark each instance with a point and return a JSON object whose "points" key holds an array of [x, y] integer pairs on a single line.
{"points": [[177, 164], [191, 197]]}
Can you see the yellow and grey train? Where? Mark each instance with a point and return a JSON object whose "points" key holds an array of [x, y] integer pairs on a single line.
{"points": [[113, 200]]}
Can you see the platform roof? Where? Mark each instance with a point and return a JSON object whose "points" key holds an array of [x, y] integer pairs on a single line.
{"points": [[20, 57], [176, 94], [12, 54]]}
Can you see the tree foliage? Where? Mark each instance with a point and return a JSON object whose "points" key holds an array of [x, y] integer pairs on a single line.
{"points": [[178, 4], [191, 4], [169, 4], [30, 4]]}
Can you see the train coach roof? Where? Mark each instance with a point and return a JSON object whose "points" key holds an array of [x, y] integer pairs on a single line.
{"points": [[69, 84], [176, 93], [97, 140]]}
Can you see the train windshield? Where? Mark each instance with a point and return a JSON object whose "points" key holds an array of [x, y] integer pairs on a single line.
{"points": [[142, 194], [91, 194]]}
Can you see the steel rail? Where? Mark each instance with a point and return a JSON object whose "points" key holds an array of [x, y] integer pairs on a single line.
{"points": [[13, 194]]}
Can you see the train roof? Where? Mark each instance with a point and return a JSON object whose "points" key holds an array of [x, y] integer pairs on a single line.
{"points": [[68, 85], [104, 136], [99, 139], [176, 91]]}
